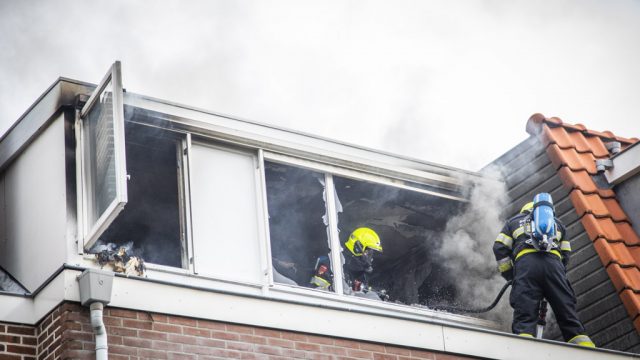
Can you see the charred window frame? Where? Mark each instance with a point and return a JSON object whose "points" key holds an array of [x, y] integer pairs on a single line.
{"points": [[130, 181], [410, 220], [152, 224]]}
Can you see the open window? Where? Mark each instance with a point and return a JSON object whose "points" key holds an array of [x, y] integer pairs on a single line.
{"points": [[131, 180], [150, 225], [103, 166]]}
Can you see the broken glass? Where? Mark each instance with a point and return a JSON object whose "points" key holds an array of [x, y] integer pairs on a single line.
{"points": [[300, 250], [409, 224]]}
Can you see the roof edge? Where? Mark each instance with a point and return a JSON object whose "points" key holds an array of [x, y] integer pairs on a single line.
{"points": [[535, 122]]}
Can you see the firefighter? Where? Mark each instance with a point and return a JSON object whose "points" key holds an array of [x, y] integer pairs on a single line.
{"points": [[358, 264], [538, 271]]}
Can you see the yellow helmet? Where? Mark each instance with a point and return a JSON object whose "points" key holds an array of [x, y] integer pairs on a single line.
{"points": [[362, 239], [527, 208]]}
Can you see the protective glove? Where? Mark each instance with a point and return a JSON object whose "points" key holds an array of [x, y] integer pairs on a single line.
{"points": [[507, 275]]}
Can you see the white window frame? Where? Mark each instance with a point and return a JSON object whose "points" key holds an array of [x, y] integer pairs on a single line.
{"points": [[336, 248], [90, 233], [260, 192]]}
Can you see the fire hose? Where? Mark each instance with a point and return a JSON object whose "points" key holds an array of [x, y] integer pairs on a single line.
{"points": [[475, 311]]}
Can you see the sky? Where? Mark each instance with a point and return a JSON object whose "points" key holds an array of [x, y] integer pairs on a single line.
{"points": [[449, 82]]}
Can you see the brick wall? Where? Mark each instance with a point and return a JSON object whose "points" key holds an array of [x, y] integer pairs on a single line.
{"points": [[17, 342], [66, 334]]}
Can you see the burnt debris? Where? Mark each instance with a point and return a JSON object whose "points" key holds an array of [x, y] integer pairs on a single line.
{"points": [[118, 260]]}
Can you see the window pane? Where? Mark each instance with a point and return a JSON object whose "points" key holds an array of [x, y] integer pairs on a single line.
{"points": [[99, 139], [225, 215], [410, 226], [149, 225], [298, 226]]}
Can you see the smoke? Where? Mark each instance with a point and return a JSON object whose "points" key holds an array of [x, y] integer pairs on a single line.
{"points": [[399, 71], [101, 245], [466, 247]]}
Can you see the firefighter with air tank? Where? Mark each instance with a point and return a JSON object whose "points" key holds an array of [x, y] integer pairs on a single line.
{"points": [[532, 250]]}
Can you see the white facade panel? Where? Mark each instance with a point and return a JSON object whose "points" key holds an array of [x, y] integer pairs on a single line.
{"points": [[3, 220], [35, 204], [224, 205], [513, 347], [625, 165]]}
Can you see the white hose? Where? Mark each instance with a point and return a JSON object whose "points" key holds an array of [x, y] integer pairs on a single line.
{"points": [[99, 330]]}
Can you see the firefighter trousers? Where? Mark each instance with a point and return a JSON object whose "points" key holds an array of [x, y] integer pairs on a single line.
{"points": [[542, 275]]}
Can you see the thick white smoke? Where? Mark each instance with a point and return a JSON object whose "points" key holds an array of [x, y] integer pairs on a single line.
{"points": [[467, 247]]}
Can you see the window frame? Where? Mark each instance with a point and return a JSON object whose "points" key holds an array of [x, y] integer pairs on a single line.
{"points": [[260, 211], [329, 170], [288, 147], [89, 233]]}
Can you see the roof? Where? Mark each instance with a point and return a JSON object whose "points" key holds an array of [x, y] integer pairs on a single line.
{"points": [[573, 151]]}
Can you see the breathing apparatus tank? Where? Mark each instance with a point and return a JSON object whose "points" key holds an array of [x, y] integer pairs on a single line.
{"points": [[543, 221]]}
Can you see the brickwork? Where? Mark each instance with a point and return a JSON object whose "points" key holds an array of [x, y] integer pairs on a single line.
{"points": [[17, 342], [132, 335]]}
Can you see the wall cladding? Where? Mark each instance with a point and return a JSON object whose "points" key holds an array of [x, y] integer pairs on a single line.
{"points": [[66, 334]]}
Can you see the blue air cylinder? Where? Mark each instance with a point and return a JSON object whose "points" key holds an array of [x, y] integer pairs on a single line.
{"points": [[543, 218]]}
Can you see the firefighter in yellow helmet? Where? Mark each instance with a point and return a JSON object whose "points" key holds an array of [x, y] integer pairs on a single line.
{"points": [[537, 267], [361, 245]]}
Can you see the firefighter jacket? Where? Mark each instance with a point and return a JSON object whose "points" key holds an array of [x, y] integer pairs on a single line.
{"points": [[516, 240], [356, 269]]}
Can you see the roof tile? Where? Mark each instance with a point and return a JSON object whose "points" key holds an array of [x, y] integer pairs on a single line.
{"points": [[624, 278], [554, 120], [599, 207], [596, 146], [606, 228], [581, 144], [556, 135], [534, 124], [617, 214], [636, 322], [628, 234], [630, 141], [608, 135], [631, 301], [576, 127], [571, 158], [573, 149], [582, 180], [580, 127], [613, 253], [635, 253]]}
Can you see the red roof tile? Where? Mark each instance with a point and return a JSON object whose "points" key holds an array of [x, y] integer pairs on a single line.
{"points": [[573, 150], [596, 205], [613, 253], [571, 158], [582, 181], [631, 302], [622, 278]]}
